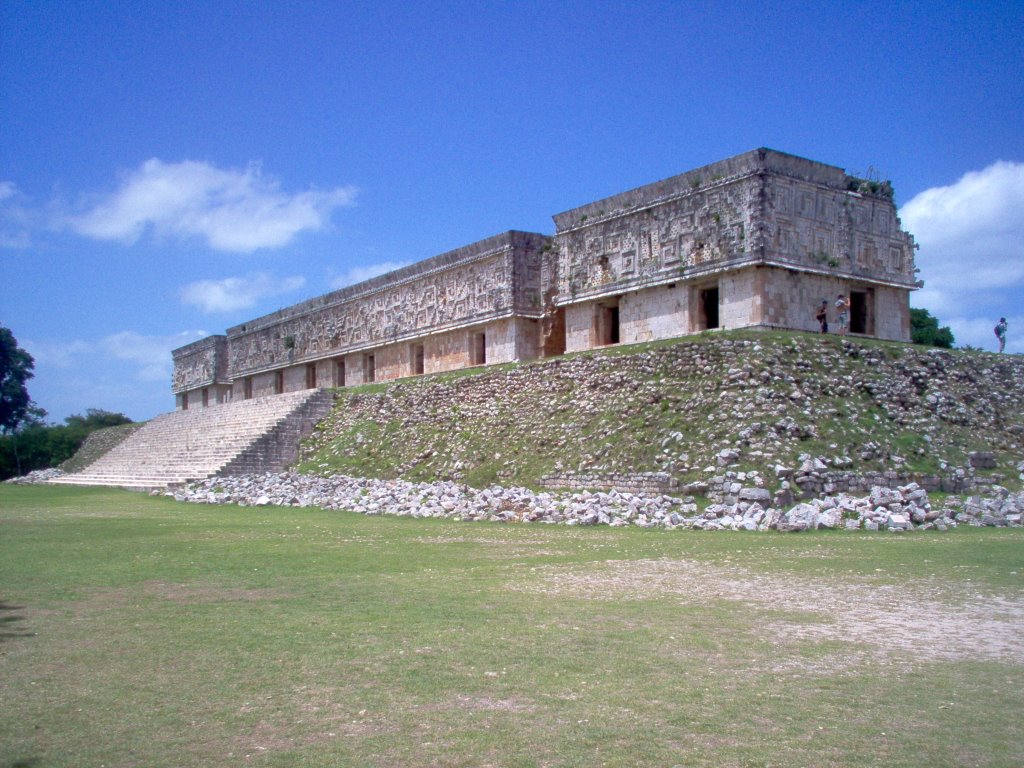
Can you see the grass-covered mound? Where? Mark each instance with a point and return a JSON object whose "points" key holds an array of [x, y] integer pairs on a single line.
{"points": [[746, 400]]}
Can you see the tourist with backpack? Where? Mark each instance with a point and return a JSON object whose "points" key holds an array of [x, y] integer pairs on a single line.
{"points": [[1000, 331]]}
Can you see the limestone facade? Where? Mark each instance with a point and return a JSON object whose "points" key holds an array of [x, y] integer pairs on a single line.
{"points": [[757, 240]]}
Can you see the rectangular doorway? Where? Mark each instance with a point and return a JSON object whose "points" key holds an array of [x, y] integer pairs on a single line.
{"points": [[278, 382], [608, 323], [708, 305], [310, 375], [478, 349], [370, 369], [862, 312], [339, 372], [416, 359]]}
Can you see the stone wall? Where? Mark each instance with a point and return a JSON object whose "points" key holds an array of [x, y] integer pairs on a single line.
{"points": [[629, 482], [657, 313], [200, 364], [754, 240], [830, 232], [495, 278]]}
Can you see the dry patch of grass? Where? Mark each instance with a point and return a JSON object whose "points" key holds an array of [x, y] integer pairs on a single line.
{"points": [[924, 621]]}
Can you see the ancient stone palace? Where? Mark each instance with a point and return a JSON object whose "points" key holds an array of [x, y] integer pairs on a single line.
{"points": [[758, 240]]}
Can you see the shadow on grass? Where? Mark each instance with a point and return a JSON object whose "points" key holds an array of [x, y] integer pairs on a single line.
{"points": [[9, 622], [28, 762]]}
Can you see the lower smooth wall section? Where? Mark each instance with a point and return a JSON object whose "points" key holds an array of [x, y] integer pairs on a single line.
{"points": [[511, 339], [892, 313], [654, 313], [740, 299], [792, 299], [580, 331]]}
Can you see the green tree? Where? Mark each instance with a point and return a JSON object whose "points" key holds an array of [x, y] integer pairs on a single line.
{"points": [[36, 445], [924, 329], [16, 407], [16, 366]]}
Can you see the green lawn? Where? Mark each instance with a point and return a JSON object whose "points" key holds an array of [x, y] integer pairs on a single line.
{"points": [[135, 631]]}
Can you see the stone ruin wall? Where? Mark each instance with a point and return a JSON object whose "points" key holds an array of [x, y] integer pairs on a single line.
{"points": [[774, 233], [836, 230], [732, 225], [470, 289], [200, 364], [673, 240]]}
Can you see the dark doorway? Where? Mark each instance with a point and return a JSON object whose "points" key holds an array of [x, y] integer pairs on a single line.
{"points": [[206, 397], [279, 382], [416, 359], [247, 389], [860, 312], [371, 368], [339, 372], [709, 308], [478, 349], [608, 323], [311, 376]]}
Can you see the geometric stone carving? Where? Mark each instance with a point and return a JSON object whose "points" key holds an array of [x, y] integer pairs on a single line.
{"points": [[753, 240]]}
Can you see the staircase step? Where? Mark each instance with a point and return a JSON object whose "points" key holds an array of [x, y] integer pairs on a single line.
{"points": [[177, 447]]}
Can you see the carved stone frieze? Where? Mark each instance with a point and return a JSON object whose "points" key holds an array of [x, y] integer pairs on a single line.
{"points": [[200, 364], [764, 209], [472, 289]]}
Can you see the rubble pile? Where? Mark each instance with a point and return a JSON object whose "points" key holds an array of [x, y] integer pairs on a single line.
{"points": [[895, 509]]}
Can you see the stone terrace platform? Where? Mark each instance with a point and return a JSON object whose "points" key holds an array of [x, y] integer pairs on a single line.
{"points": [[245, 436]]}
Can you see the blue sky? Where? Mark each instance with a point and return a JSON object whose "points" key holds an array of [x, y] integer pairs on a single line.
{"points": [[170, 169]]}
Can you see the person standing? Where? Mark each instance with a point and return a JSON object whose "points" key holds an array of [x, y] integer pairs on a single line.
{"points": [[822, 316], [1000, 330], [843, 313]]}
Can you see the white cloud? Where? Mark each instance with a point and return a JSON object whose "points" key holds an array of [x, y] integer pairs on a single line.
{"points": [[147, 355], [971, 257], [151, 355], [126, 371], [233, 210], [16, 220], [980, 332], [58, 354], [233, 293], [359, 274]]}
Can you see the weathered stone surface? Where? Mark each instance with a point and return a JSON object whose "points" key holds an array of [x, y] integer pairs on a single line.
{"points": [[500, 504], [712, 248]]}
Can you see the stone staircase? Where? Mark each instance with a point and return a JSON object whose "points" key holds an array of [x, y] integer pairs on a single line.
{"points": [[244, 436]]}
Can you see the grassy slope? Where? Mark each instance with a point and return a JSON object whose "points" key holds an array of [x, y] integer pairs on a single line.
{"points": [[672, 406], [137, 631]]}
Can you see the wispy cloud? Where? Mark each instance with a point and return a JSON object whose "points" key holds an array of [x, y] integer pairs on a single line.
{"points": [[234, 293], [358, 274], [233, 210], [971, 257], [16, 218], [57, 354], [148, 358]]}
